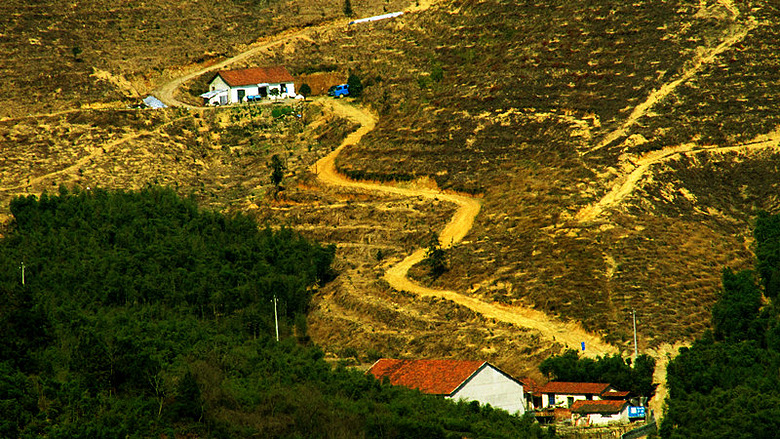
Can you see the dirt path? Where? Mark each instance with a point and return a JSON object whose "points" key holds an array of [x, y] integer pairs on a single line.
{"points": [[96, 151], [166, 91], [569, 334], [627, 183], [707, 56]]}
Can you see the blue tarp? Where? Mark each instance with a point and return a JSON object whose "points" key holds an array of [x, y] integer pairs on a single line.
{"points": [[152, 102]]}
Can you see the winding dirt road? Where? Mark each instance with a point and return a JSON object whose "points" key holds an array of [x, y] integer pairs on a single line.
{"points": [[570, 334]]}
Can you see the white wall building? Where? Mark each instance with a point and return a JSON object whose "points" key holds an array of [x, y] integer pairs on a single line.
{"points": [[259, 83], [585, 413], [565, 394], [458, 380]]}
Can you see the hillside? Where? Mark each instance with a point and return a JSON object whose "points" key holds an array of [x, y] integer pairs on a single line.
{"points": [[618, 151], [580, 126]]}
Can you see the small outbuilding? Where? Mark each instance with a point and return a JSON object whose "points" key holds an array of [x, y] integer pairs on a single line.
{"points": [[453, 379], [247, 85]]}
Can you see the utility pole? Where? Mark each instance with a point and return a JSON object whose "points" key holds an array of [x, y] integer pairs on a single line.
{"points": [[636, 349], [22, 267], [276, 319]]}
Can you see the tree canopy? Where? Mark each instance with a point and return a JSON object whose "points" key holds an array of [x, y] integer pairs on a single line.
{"points": [[726, 384], [611, 369], [142, 315]]}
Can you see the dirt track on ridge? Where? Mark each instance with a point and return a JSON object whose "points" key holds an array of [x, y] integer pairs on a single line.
{"points": [[626, 183]]}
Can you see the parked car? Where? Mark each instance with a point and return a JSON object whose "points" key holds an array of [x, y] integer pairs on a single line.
{"points": [[338, 91]]}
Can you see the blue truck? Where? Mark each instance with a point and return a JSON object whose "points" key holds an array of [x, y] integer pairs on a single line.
{"points": [[338, 91]]}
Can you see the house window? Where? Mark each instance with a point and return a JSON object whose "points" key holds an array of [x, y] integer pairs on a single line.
{"points": [[282, 88], [551, 399], [570, 401], [589, 397]]}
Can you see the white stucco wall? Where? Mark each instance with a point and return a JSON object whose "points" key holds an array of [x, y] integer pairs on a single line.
{"points": [[489, 386], [599, 419], [562, 399], [249, 90], [218, 84]]}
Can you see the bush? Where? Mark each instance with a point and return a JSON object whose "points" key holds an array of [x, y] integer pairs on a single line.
{"points": [[355, 85]]}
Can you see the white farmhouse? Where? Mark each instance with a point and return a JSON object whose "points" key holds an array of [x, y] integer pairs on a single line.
{"points": [[564, 394], [259, 83], [458, 380]]}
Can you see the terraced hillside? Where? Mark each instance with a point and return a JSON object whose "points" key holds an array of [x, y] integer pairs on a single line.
{"points": [[544, 109]]}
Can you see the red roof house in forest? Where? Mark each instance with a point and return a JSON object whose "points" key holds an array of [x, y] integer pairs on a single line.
{"points": [[459, 380]]}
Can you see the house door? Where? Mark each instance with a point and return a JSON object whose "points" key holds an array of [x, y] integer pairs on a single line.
{"points": [[241, 94], [263, 91]]}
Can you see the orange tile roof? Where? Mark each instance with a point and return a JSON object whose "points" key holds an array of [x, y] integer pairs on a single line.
{"points": [[529, 385], [601, 406], [257, 75], [567, 388], [436, 377]]}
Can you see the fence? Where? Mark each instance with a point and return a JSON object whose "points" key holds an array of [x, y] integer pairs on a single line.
{"points": [[642, 431]]}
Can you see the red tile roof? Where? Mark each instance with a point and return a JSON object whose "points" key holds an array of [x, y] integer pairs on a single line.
{"points": [[529, 385], [601, 406], [257, 75], [436, 377], [566, 388]]}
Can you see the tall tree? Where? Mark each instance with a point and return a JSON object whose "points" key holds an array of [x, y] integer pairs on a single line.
{"points": [[436, 256], [277, 170]]}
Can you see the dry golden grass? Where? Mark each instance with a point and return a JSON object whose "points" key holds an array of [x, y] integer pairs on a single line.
{"points": [[497, 98]]}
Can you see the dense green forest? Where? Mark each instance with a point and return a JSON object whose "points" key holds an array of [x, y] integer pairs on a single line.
{"points": [[727, 384], [136, 314], [611, 369]]}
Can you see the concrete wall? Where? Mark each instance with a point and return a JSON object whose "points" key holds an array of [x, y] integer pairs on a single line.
{"points": [[218, 84], [489, 386]]}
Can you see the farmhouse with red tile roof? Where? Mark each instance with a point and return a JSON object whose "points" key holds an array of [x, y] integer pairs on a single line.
{"points": [[467, 380], [235, 86]]}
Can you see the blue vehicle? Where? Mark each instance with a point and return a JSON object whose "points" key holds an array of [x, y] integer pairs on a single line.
{"points": [[338, 91]]}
